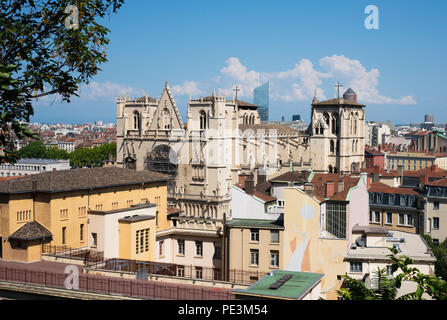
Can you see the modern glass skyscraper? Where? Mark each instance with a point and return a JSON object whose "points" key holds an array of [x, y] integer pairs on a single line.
{"points": [[261, 99]]}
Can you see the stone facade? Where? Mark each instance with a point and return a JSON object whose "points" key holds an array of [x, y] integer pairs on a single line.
{"points": [[221, 140]]}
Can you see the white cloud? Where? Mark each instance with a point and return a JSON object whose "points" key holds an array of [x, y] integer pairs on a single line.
{"points": [[107, 91], [187, 88], [364, 82], [300, 82], [236, 72]]}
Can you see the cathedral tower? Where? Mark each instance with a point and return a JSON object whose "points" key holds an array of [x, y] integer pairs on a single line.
{"points": [[337, 132]]}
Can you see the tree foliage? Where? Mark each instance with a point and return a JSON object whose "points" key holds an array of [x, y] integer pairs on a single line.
{"points": [[81, 157], [41, 56], [386, 287], [92, 157], [440, 252]]}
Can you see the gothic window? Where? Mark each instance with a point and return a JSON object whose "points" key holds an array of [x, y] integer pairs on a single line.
{"points": [[252, 119], [165, 119], [326, 119], [335, 124], [331, 170], [355, 122], [203, 122], [136, 121], [318, 129], [332, 146]]}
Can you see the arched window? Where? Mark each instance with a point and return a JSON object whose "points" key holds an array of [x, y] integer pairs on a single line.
{"points": [[136, 121], [327, 119], [353, 145], [332, 146], [252, 119], [355, 122], [331, 170], [203, 122], [335, 124], [245, 119]]}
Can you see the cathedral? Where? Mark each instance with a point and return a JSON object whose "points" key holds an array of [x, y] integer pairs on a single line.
{"points": [[223, 139]]}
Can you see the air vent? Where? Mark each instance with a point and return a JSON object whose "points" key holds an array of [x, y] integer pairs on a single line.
{"points": [[281, 281]]}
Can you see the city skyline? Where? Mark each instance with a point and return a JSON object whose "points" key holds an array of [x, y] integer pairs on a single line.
{"points": [[243, 48]]}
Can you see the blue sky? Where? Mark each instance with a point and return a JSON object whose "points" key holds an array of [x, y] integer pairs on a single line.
{"points": [[398, 70]]}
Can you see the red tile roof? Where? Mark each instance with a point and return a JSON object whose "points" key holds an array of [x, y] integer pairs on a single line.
{"points": [[383, 188], [439, 183], [320, 179], [173, 210]]}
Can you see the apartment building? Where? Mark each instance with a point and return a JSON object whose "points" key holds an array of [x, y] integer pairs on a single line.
{"points": [[24, 167], [434, 200], [56, 207], [369, 249], [394, 208]]}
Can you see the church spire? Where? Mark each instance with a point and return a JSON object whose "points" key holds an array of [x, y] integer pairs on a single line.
{"points": [[315, 96]]}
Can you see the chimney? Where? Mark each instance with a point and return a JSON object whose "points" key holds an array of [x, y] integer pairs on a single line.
{"points": [[261, 177], [309, 189], [423, 180], [242, 178], [376, 174], [400, 170], [341, 184], [329, 189], [250, 185]]}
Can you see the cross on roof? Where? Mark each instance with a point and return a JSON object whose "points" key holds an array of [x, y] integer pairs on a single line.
{"points": [[236, 89], [338, 85]]}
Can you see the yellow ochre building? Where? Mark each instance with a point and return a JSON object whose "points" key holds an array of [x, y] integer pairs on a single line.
{"points": [[114, 210]]}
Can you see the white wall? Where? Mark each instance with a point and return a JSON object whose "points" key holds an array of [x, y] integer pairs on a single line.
{"points": [[107, 228], [244, 206]]}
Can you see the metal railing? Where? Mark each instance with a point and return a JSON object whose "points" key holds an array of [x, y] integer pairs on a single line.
{"points": [[144, 269], [116, 286], [87, 255]]}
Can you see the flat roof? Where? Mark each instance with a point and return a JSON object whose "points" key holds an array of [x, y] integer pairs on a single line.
{"points": [[256, 223], [293, 289], [131, 208], [136, 218], [40, 161]]}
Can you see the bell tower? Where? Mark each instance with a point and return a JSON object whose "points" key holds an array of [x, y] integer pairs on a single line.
{"points": [[337, 132]]}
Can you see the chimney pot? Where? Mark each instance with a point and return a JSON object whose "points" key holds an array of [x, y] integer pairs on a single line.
{"points": [[329, 188]]}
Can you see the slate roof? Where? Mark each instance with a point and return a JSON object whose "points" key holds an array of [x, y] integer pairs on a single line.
{"points": [[338, 101], [292, 176], [280, 130], [80, 179], [31, 231], [256, 223], [241, 103]]}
